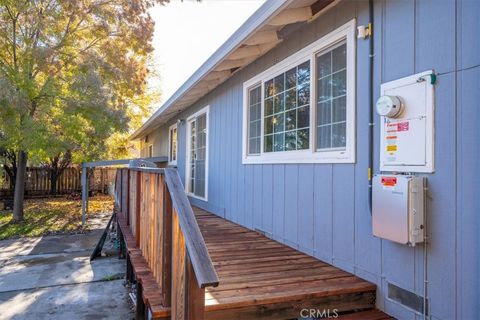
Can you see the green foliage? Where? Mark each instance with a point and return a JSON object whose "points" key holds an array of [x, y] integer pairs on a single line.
{"points": [[72, 74]]}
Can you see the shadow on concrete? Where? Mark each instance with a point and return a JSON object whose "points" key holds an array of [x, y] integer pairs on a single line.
{"points": [[52, 278]]}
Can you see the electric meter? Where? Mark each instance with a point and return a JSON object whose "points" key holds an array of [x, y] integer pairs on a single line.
{"points": [[389, 106], [406, 109]]}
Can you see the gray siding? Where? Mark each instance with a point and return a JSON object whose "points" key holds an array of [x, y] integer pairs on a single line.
{"points": [[322, 209]]}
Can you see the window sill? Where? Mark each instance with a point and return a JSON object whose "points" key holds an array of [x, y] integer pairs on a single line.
{"points": [[299, 158], [191, 195]]}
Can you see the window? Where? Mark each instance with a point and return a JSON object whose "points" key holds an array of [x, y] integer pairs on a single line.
{"points": [[287, 110], [150, 151], [255, 119], [197, 155], [302, 109], [172, 145], [331, 98]]}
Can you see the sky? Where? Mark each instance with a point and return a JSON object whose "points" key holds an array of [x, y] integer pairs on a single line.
{"points": [[188, 32]]}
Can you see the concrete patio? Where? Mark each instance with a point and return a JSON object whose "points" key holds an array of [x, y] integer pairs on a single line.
{"points": [[52, 278]]}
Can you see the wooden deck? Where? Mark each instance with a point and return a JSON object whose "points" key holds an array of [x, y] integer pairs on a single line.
{"points": [[188, 264], [263, 279]]}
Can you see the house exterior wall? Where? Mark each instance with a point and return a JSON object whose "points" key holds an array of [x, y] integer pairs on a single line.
{"points": [[159, 140], [322, 209]]}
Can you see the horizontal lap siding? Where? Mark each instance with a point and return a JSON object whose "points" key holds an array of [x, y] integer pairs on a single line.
{"points": [[322, 209]]}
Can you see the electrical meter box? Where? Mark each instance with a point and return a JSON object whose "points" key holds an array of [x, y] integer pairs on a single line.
{"points": [[406, 107], [398, 208]]}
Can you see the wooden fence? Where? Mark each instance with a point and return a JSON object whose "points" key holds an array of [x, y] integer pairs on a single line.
{"points": [[37, 181], [159, 216]]}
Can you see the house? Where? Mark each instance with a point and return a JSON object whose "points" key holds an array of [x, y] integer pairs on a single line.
{"points": [[273, 132]]}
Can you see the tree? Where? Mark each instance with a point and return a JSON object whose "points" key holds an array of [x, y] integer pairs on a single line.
{"points": [[69, 67], [56, 166]]}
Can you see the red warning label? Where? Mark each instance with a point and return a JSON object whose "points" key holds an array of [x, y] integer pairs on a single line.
{"points": [[389, 181], [402, 126]]}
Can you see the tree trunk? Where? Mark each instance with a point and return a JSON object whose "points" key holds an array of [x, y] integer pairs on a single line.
{"points": [[53, 182], [20, 187]]}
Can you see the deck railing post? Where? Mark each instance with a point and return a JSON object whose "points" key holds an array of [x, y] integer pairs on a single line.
{"points": [[127, 197], [138, 207], [188, 299], [195, 294], [166, 284]]}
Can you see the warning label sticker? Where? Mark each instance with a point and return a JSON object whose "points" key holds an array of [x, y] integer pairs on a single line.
{"points": [[392, 148], [389, 181], [402, 126], [391, 127]]}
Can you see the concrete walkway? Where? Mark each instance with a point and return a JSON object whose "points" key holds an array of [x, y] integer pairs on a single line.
{"points": [[52, 278]]}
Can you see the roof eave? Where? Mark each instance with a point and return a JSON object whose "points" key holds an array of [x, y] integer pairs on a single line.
{"points": [[266, 11]]}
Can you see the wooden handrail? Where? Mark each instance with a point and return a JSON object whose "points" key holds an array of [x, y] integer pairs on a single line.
{"points": [[197, 249], [163, 224]]}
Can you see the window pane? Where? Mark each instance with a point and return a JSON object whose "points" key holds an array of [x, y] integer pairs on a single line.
{"points": [[254, 145], [324, 65], [253, 113], [173, 144], [291, 140], [269, 88], [303, 94], [331, 99], [254, 120], [303, 117], [268, 106], [324, 88], [324, 137], [290, 108], [291, 78], [278, 142], [339, 135], [254, 96], [253, 129], [339, 83], [302, 139], [339, 57], [291, 99], [291, 120], [324, 114], [339, 109], [268, 143], [268, 125], [279, 103], [303, 73], [279, 83], [278, 124]]}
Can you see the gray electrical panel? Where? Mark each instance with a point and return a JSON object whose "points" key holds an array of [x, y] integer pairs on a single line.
{"points": [[398, 208]]}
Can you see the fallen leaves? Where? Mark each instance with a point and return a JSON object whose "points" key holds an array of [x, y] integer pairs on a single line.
{"points": [[52, 216]]}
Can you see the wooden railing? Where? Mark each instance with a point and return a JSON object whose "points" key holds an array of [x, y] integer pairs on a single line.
{"points": [[159, 215]]}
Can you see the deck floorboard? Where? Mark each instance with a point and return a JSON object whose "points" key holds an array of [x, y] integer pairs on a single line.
{"points": [[264, 279]]}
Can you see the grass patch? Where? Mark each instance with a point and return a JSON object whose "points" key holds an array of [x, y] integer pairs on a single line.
{"points": [[51, 216]]}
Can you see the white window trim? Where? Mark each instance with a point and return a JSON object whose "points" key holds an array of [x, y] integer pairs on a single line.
{"points": [[205, 110], [343, 33], [172, 162]]}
